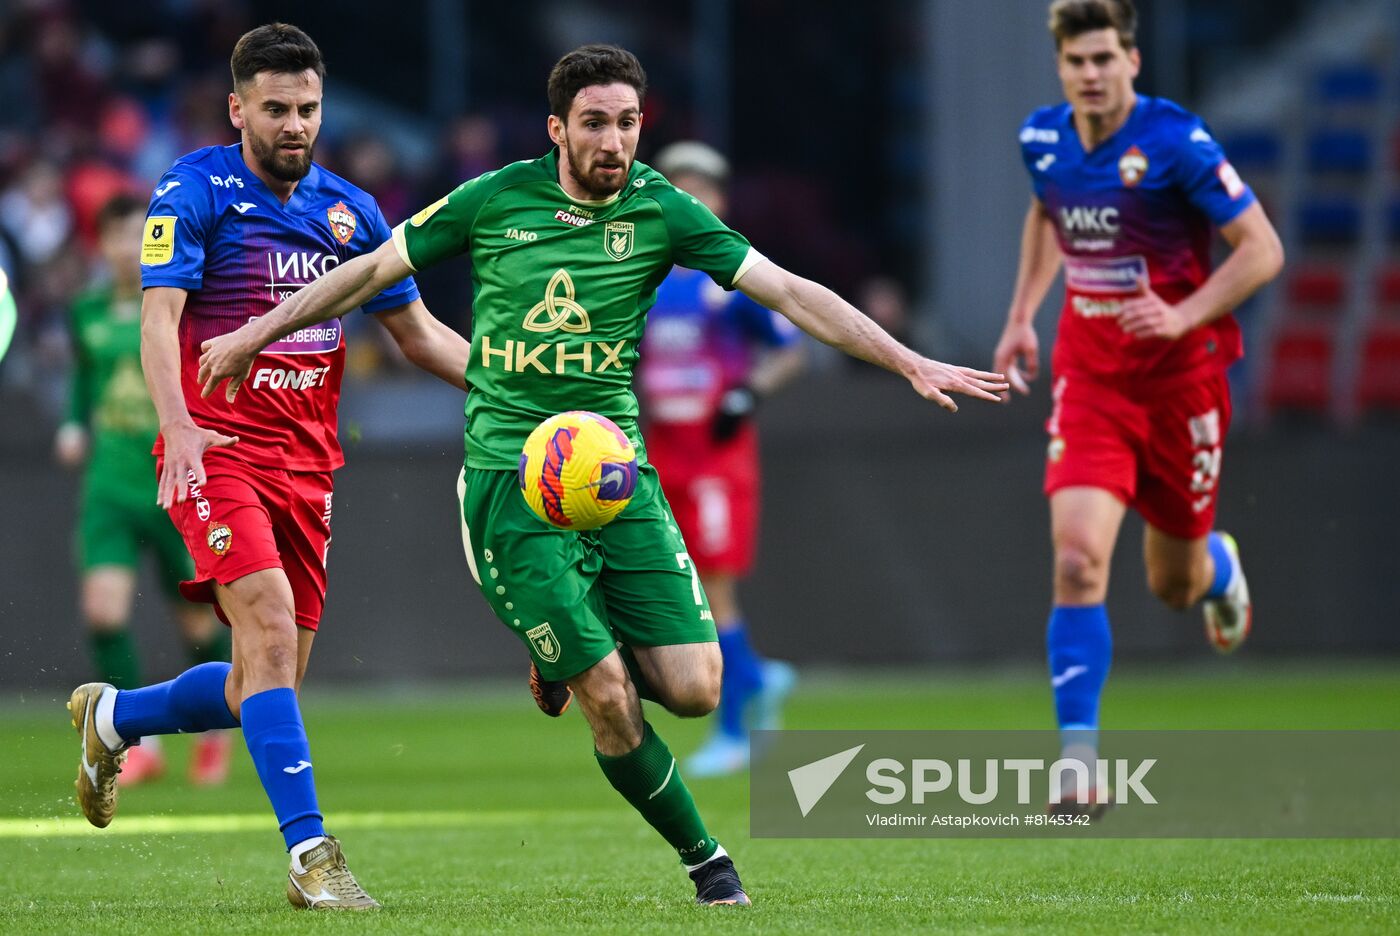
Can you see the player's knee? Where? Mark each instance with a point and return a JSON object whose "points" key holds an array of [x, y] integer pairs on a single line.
{"points": [[694, 699], [1079, 571], [102, 614]]}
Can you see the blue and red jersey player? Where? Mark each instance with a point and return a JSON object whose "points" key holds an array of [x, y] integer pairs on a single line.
{"points": [[1128, 191], [231, 232], [215, 230], [707, 357], [701, 345], [1138, 210]]}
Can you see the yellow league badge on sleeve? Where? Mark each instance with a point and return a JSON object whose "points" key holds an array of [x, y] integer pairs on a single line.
{"points": [[158, 240]]}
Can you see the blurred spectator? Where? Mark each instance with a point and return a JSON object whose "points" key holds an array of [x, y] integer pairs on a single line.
{"points": [[35, 214], [371, 164], [469, 148], [72, 88], [886, 302]]}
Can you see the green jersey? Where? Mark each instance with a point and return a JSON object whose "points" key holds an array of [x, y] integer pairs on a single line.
{"points": [[560, 290], [109, 393]]}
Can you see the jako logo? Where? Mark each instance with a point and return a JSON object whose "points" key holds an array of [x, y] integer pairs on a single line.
{"points": [[1081, 218]]}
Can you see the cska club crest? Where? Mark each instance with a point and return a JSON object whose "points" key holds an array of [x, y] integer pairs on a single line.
{"points": [[1132, 167], [342, 221], [219, 538]]}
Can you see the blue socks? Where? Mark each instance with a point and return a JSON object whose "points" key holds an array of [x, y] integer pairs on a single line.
{"points": [[272, 729], [1080, 647], [1224, 566], [743, 678], [276, 738], [192, 701]]}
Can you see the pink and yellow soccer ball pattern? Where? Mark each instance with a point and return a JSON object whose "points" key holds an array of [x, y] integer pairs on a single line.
{"points": [[578, 470]]}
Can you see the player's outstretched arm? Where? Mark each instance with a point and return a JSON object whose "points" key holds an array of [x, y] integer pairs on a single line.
{"points": [[1256, 256], [427, 342], [185, 442], [1018, 351], [832, 320], [230, 357]]}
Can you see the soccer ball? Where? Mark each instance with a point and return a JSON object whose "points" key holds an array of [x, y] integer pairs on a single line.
{"points": [[578, 470]]}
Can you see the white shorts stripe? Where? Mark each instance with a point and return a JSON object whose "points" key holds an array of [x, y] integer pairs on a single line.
{"points": [[462, 519]]}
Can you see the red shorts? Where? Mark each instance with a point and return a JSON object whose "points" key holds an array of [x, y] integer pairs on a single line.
{"points": [[247, 518], [1158, 453], [713, 493]]}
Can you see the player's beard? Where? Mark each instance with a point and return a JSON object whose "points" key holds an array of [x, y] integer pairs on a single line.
{"points": [[287, 167], [598, 187]]}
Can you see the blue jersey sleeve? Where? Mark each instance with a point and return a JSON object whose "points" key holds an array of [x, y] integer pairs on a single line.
{"points": [[402, 292], [1211, 184], [179, 222], [761, 324], [1039, 139]]}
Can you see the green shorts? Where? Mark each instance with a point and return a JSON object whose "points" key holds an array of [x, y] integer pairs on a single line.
{"points": [[115, 526], [574, 597]]}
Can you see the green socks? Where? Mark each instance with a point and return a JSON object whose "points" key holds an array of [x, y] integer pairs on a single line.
{"points": [[648, 778], [114, 657]]}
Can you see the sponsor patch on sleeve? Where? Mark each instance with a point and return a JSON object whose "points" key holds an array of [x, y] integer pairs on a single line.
{"points": [[1234, 185], [158, 241]]}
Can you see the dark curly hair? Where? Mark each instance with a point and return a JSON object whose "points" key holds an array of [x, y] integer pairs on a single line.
{"points": [[592, 65], [276, 47]]}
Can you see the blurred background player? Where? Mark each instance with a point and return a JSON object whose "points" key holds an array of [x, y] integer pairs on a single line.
{"points": [[230, 231], [709, 356], [1127, 189], [110, 429]]}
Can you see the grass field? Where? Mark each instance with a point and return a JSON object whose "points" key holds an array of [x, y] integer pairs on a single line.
{"points": [[467, 811]]}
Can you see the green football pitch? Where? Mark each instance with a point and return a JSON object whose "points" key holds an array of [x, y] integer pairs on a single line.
{"points": [[464, 810]]}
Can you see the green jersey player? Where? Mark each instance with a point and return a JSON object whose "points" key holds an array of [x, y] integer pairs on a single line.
{"points": [[110, 428], [567, 252]]}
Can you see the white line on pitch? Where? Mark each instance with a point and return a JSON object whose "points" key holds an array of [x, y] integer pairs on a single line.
{"points": [[51, 827]]}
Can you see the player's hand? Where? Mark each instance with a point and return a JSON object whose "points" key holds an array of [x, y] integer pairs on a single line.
{"points": [[70, 445], [1150, 316], [736, 407], [1018, 356], [184, 461], [224, 358], [934, 380]]}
